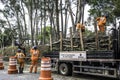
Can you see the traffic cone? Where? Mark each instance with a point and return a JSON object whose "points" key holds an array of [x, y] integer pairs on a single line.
{"points": [[45, 72], [12, 65], [1, 63]]}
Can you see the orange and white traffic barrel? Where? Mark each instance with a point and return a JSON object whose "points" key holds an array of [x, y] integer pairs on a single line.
{"points": [[12, 65], [45, 72], [1, 63]]}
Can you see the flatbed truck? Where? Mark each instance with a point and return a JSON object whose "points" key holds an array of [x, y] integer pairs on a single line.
{"points": [[97, 62]]}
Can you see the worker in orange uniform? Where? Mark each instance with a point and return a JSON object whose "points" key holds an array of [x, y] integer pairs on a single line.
{"points": [[79, 25], [81, 28], [35, 53], [101, 23], [20, 57]]}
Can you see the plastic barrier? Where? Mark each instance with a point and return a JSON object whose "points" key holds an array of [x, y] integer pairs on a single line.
{"points": [[45, 72], [12, 65], [1, 63]]}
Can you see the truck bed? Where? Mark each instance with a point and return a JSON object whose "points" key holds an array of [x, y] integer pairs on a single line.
{"points": [[90, 55]]}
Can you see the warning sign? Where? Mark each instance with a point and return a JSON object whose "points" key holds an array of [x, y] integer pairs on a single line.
{"points": [[71, 55]]}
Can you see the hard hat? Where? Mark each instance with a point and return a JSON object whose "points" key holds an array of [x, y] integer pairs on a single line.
{"points": [[34, 47], [19, 50]]}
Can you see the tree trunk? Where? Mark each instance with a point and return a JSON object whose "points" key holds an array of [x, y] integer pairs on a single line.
{"points": [[44, 33], [24, 19], [61, 17], [51, 20], [19, 28], [31, 21], [71, 15], [77, 11], [36, 21], [96, 32], [66, 19], [57, 19], [82, 15], [80, 10]]}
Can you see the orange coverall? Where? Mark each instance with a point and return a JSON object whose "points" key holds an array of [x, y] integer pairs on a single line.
{"points": [[101, 23], [20, 57], [79, 25], [34, 59]]}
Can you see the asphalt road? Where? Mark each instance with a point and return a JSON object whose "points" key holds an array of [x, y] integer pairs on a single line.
{"points": [[32, 76]]}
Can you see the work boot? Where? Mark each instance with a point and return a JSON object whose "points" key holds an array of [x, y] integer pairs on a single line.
{"points": [[31, 68], [22, 70], [19, 70], [35, 71]]}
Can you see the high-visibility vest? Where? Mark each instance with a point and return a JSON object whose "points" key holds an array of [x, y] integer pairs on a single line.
{"points": [[35, 55], [20, 57], [101, 21], [79, 25]]}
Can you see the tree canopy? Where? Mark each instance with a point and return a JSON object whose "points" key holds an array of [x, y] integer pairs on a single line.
{"points": [[30, 18]]}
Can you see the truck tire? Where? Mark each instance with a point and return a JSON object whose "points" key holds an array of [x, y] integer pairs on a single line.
{"points": [[65, 69]]}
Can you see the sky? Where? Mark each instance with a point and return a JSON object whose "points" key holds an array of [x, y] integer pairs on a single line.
{"points": [[86, 13], [1, 7]]}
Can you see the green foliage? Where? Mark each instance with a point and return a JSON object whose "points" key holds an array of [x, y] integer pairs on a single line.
{"points": [[102, 7], [9, 51], [6, 37], [88, 32], [47, 33], [116, 10]]}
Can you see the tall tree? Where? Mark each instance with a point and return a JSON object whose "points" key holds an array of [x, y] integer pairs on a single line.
{"points": [[57, 17]]}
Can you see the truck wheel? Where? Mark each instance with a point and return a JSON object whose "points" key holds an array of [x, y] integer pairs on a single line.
{"points": [[64, 69]]}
